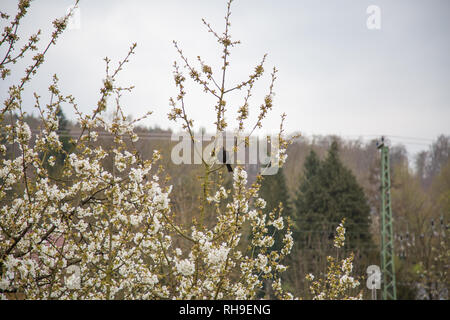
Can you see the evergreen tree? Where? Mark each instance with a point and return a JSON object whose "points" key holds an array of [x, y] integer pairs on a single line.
{"points": [[329, 192], [307, 202]]}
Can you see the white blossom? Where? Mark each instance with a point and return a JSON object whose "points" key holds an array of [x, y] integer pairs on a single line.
{"points": [[278, 223], [23, 131], [185, 267], [260, 203], [51, 161], [219, 255]]}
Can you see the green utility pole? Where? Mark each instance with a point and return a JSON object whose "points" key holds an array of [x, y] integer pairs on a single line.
{"points": [[387, 239]]}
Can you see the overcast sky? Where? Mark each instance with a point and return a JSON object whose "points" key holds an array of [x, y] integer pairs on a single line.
{"points": [[335, 75]]}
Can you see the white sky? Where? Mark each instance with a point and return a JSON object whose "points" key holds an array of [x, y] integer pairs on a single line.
{"points": [[335, 75]]}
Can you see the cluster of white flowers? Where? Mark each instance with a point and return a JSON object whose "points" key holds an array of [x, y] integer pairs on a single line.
{"points": [[79, 165], [137, 174], [288, 242], [219, 195], [278, 223], [347, 280], [261, 261], [52, 138], [282, 156], [339, 240], [260, 203], [185, 267], [239, 177], [218, 256], [51, 161], [338, 281], [347, 265], [23, 132]]}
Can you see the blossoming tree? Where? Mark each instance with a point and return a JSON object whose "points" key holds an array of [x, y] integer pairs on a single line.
{"points": [[338, 282], [102, 234]]}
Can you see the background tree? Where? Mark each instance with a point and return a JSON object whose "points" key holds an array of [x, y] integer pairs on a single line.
{"points": [[429, 163], [420, 227], [329, 192]]}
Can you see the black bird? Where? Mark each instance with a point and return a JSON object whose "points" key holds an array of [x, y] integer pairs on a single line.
{"points": [[223, 157]]}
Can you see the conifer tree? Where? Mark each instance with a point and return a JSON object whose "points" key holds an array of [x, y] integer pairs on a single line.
{"points": [[307, 202], [328, 193]]}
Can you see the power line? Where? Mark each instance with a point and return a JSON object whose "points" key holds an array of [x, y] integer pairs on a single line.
{"points": [[401, 139], [374, 136]]}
